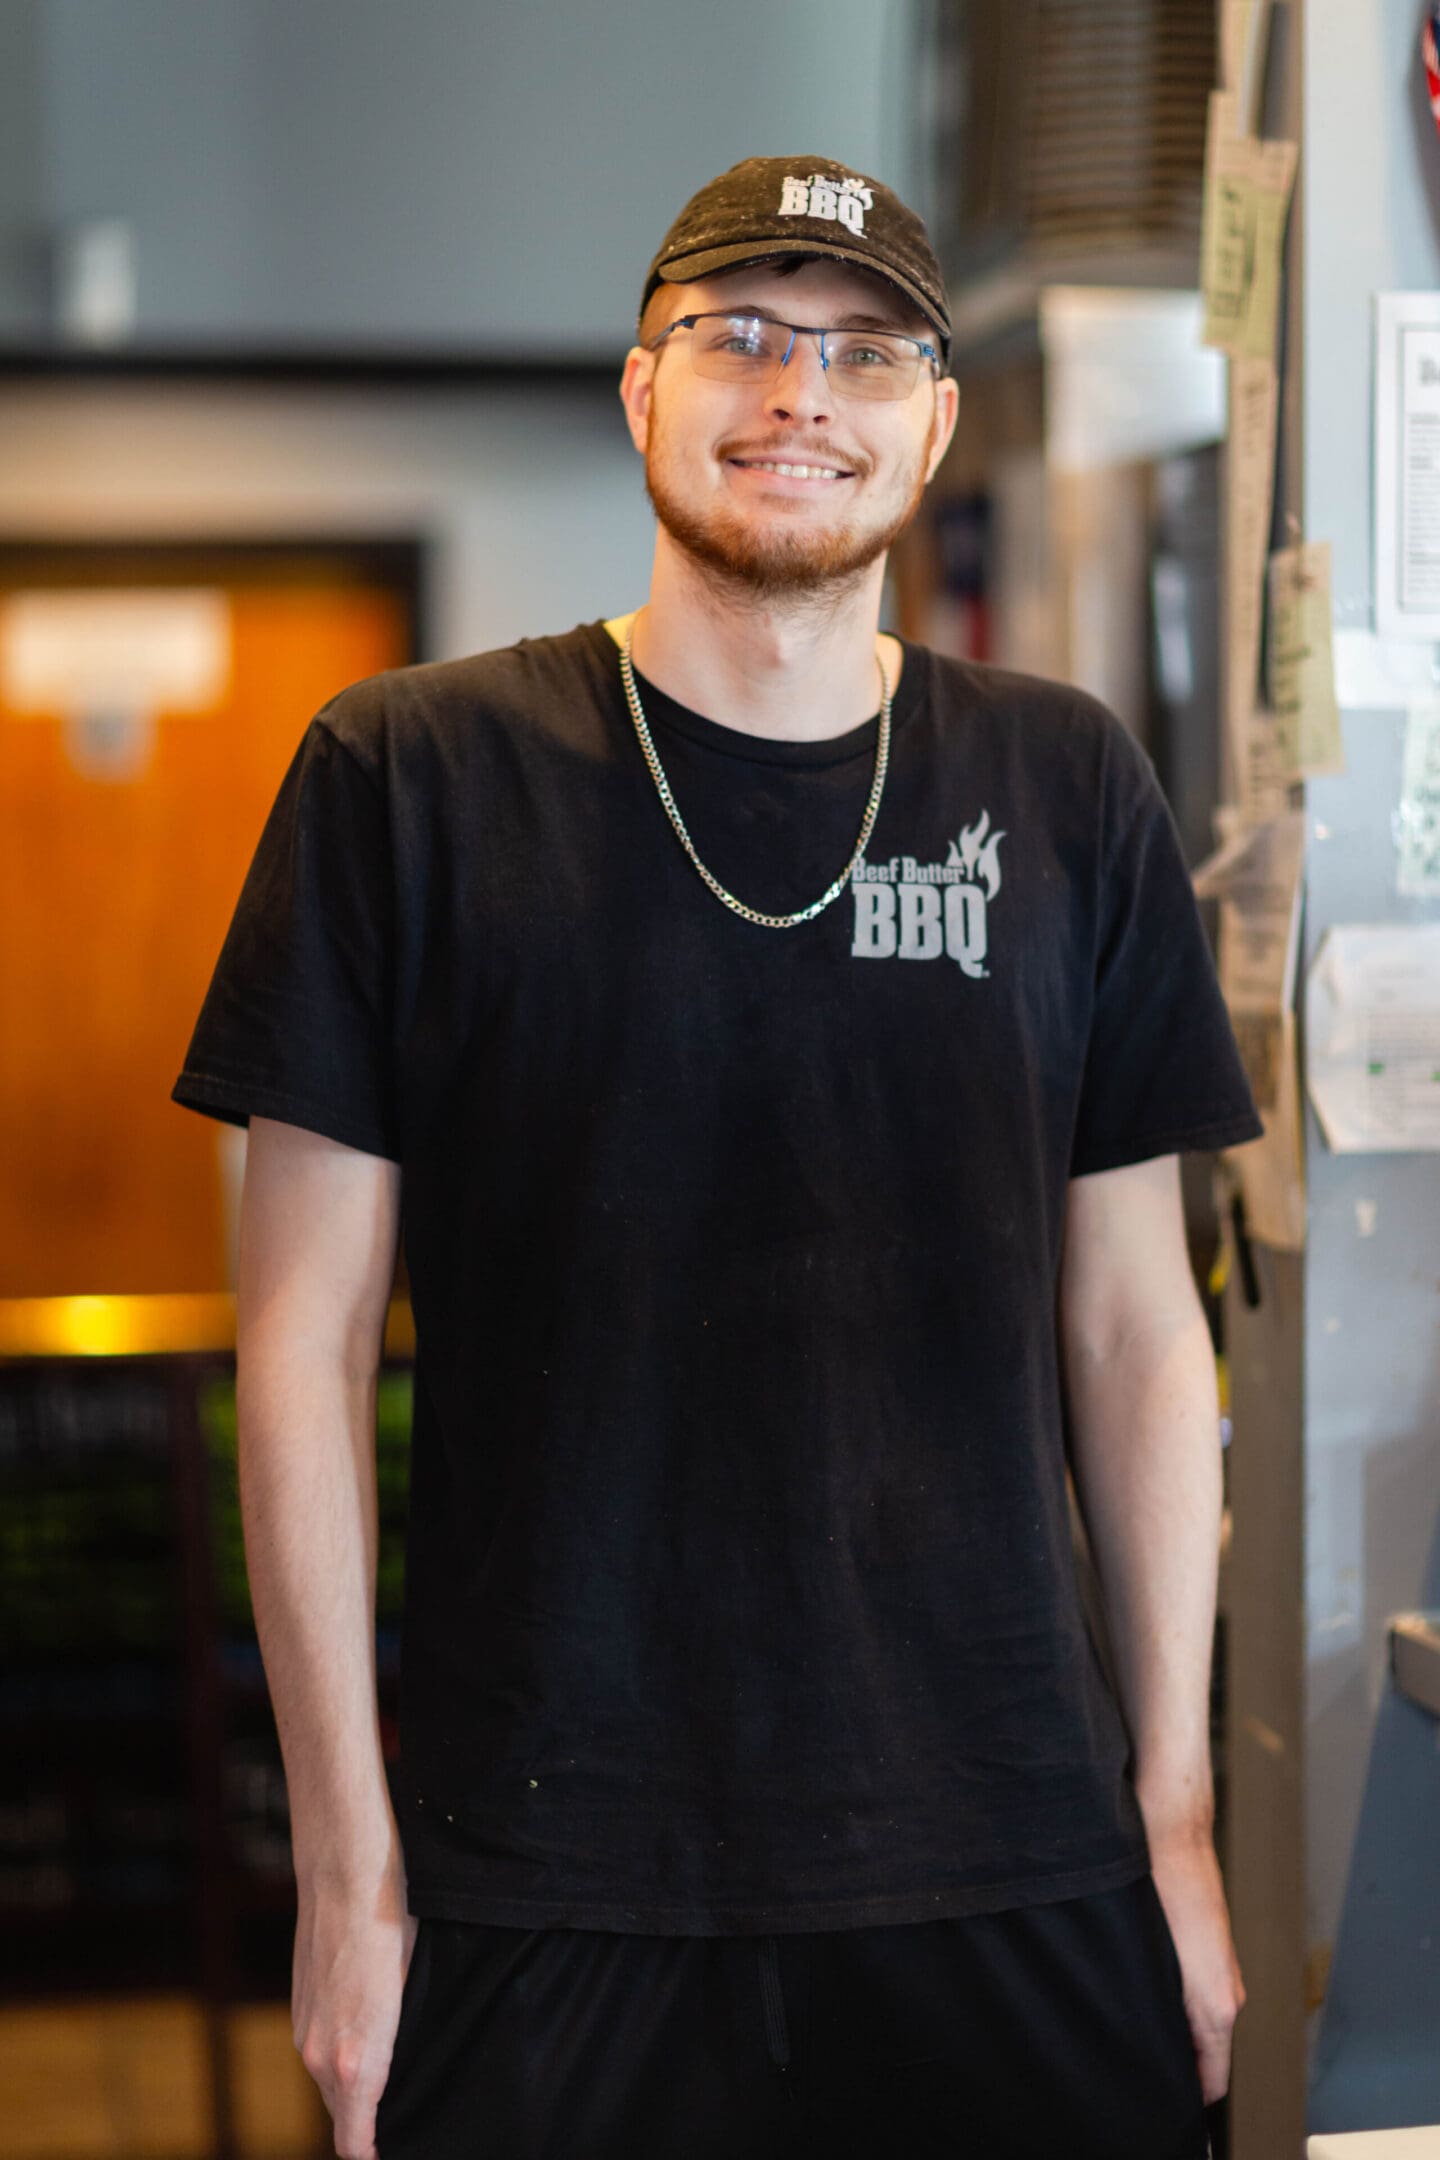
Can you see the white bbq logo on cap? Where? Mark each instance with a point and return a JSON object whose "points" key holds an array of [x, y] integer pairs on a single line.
{"points": [[842, 201]]}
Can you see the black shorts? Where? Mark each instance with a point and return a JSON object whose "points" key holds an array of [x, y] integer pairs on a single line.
{"points": [[1050, 2030]]}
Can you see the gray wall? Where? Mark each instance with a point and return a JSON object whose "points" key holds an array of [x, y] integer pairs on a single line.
{"points": [[21, 183], [1372, 1343], [451, 176], [523, 535], [444, 174]]}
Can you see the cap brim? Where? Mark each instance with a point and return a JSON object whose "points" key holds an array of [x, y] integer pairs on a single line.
{"points": [[686, 269]]}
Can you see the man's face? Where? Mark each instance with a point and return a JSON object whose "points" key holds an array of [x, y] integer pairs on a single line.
{"points": [[710, 447]]}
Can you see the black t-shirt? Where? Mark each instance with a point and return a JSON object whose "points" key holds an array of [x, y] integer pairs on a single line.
{"points": [[740, 1590]]}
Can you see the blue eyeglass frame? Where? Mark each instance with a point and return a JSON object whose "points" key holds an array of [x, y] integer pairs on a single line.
{"points": [[688, 322]]}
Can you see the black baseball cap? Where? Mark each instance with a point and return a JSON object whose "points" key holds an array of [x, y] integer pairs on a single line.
{"points": [[764, 208]]}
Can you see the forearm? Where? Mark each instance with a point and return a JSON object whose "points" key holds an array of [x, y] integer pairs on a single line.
{"points": [[308, 1501], [1146, 1457]]}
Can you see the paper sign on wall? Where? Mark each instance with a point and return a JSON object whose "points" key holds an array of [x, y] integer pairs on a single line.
{"points": [[1256, 876], [1247, 199], [1302, 660], [1418, 821], [1373, 1037], [1407, 465], [1268, 778]]}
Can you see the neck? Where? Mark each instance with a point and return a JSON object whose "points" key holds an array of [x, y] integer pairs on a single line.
{"points": [[799, 669]]}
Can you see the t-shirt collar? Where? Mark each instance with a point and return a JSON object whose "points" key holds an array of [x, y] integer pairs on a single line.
{"points": [[666, 714]]}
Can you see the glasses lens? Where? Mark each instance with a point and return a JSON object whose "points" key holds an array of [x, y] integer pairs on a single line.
{"points": [[864, 363], [737, 348], [750, 348]]}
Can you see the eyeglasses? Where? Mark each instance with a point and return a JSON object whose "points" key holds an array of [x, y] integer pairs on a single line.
{"points": [[754, 348]]}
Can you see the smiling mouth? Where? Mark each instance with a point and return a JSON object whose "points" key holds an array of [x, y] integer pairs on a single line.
{"points": [[793, 469]]}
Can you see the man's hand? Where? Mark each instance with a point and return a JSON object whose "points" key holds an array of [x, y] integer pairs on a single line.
{"points": [[351, 1958], [1187, 1876]]}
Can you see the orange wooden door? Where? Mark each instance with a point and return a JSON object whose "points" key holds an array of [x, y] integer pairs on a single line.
{"points": [[115, 893]]}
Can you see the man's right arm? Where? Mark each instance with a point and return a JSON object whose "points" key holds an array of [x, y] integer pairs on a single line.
{"points": [[319, 1225]]}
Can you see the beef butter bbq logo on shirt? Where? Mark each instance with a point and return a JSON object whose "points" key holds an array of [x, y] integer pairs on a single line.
{"points": [[843, 201], [918, 911]]}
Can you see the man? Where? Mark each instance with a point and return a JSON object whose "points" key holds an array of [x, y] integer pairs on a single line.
{"points": [[784, 1038]]}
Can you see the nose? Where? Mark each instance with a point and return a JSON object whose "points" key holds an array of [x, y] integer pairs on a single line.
{"points": [[801, 390]]}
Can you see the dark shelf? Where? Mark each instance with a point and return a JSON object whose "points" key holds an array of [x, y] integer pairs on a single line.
{"points": [[412, 370], [143, 1817]]}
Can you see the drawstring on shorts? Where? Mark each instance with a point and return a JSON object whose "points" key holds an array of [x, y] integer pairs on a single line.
{"points": [[776, 2032]]}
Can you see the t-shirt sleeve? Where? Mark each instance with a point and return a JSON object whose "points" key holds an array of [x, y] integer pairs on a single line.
{"points": [[1162, 1070], [296, 1023]]}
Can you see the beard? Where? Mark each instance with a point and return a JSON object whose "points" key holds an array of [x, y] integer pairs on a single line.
{"points": [[777, 560]]}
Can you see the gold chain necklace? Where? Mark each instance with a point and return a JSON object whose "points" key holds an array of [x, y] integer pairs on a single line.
{"points": [[657, 774]]}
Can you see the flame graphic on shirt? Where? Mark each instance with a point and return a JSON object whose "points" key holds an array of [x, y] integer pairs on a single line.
{"points": [[976, 857]]}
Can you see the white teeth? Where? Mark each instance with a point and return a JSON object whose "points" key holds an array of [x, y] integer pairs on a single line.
{"points": [[793, 472]]}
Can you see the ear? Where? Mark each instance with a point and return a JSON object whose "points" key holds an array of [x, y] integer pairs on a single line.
{"points": [[636, 383], [947, 412]]}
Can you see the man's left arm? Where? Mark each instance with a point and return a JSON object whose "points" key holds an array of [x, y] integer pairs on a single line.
{"points": [[1139, 1372]]}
